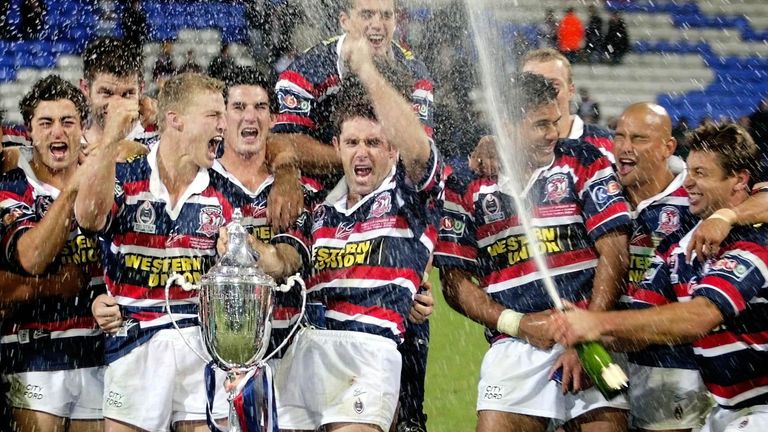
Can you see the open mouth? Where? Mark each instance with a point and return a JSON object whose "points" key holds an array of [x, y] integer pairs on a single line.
{"points": [[363, 171], [213, 146], [625, 166], [376, 40], [249, 133], [59, 150]]}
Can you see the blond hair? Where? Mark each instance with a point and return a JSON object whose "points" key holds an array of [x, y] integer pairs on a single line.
{"points": [[544, 55], [179, 90]]}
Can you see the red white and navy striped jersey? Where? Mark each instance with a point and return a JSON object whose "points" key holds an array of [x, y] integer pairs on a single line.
{"points": [[306, 92], [596, 135], [50, 333], [148, 241], [287, 305], [732, 359], [15, 136], [368, 260], [575, 200]]}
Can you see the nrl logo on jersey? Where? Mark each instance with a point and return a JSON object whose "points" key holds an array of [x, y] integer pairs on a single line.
{"points": [[669, 220], [381, 205], [211, 219], [145, 218]]}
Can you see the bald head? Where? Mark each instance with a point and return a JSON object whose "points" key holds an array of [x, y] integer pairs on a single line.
{"points": [[642, 146]]}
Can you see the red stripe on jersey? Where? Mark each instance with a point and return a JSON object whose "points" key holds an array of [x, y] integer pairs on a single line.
{"points": [[452, 196], [323, 87], [138, 292], [428, 130], [493, 228], [456, 250], [159, 241], [295, 119], [283, 313], [298, 79], [553, 262], [582, 173], [726, 288], [372, 311], [649, 296], [731, 391], [682, 289], [136, 187], [423, 84], [148, 316], [600, 142], [365, 272], [67, 324], [329, 232], [612, 210], [726, 338]]}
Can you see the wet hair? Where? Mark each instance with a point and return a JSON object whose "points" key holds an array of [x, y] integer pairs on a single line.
{"points": [[249, 76], [348, 5], [180, 89], [544, 55], [52, 88], [734, 146], [353, 100], [113, 56], [533, 91]]}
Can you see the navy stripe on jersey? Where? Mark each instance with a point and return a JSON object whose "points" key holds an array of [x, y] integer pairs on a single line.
{"points": [[368, 261], [664, 217], [576, 200], [62, 330]]}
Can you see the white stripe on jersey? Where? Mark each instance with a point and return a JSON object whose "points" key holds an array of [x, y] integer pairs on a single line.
{"points": [[129, 301], [11, 202], [456, 208], [367, 319], [59, 334], [741, 397], [364, 284], [165, 319], [284, 324], [456, 257], [753, 259], [642, 250], [285, 84], [722, 293], [169, 253], [729, 348], [421, 93], [363, 236], [249, 221], [599, 175], [194, 199], [522, 280], [427, 243]]}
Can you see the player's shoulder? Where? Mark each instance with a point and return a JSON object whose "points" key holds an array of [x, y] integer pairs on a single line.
{"points": [[578, 149], [592, 130], [416, 66], [135, 168], [316, 61], [14, 181]]}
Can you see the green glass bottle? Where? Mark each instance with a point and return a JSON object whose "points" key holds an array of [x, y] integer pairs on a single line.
{"points": [[607, 376]]}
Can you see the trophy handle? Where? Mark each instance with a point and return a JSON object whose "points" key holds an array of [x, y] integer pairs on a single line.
{"points": [[186, 286], [285, 288]]}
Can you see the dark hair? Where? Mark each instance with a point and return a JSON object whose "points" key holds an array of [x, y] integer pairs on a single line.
{"points": [[533, 91], [112, 56], [348, 5], [353, 100], [52, 88], [249, 76], [734, 146]]}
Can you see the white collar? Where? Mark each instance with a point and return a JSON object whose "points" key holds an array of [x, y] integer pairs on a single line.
{"points": [[340, 67], [577, 128], [338, 196], [219, 168], [675, 184], [25, 157], [158, 189]]}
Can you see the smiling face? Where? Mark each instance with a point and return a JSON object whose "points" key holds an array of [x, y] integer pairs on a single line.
{"points": [[56, 130], [709, 186], [539, 133], [556, 71], [366, 156], [203, 126], [374, 20], [642, 145], [248, 120]]}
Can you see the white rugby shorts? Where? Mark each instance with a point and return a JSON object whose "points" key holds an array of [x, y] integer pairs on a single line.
{"points": [[75, 394], [514, 377], [752, 419], [162, 382], [329, 376]]}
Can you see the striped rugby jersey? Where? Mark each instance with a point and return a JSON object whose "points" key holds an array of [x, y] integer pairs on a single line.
{"points": [[663, 217], [732, 359], [368, 260], [306, 93], [50, 333], [576, 199]]}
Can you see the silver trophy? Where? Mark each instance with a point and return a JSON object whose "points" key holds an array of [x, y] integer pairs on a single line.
{"points": [[236, 300]]}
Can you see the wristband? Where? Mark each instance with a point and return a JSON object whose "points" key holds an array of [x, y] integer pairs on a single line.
{"points": [[724, 214], [509, 322]]}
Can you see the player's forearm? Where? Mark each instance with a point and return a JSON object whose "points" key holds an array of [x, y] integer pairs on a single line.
{"points": [[17, 288], [38, 246], [752, 211], [399, 124], [612, 266], [674, 323], [467, 298], [96, 197], [312, 156]]}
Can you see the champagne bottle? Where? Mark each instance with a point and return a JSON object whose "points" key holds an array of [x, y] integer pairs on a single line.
{"points": [[607, 376]]}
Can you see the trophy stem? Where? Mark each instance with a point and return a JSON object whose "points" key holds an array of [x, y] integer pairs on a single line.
{"points": [[234, 422]]}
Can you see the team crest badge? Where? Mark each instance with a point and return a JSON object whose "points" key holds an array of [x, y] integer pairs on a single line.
{"points": [[669, 220], [358, 406], [491, 208], [145, 218], [211, 219], [381, 206], [318, 217], [556, 188]]}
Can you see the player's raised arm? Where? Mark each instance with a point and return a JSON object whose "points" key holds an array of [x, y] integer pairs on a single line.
{"points": [[400, 125]]}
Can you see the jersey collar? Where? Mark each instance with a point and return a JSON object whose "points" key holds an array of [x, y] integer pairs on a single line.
{"points": [[158, 189], [337, 198]]}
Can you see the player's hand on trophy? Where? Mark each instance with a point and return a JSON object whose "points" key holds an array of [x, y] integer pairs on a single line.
{"points": [[269, 259], [107, 313], [120, 116], [484, 161], [535, 329], [423, 304], [573, 377]]}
